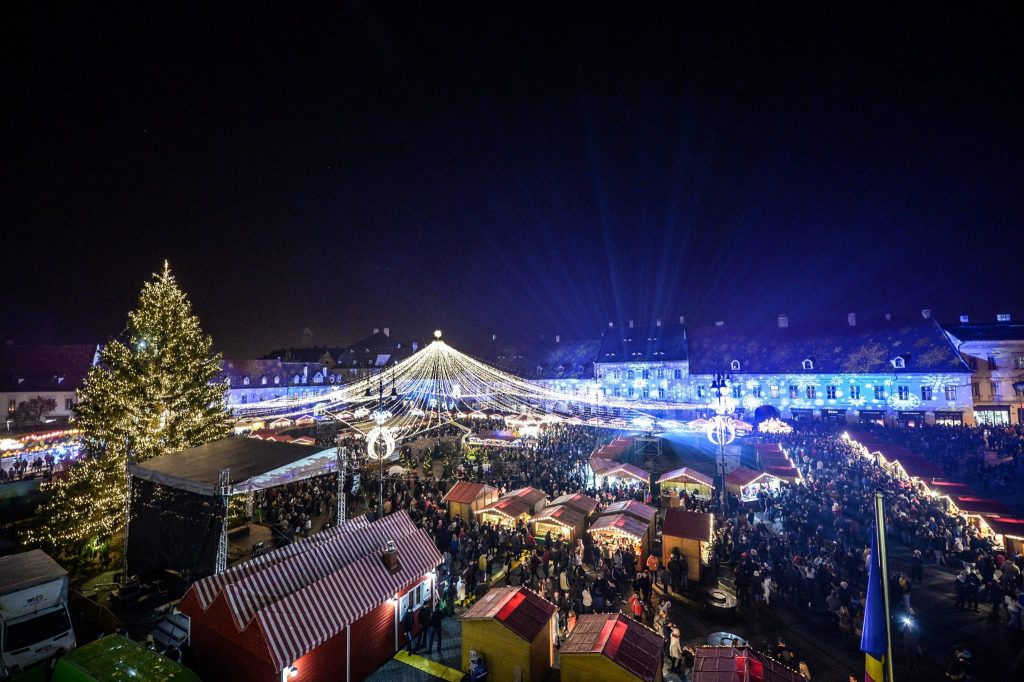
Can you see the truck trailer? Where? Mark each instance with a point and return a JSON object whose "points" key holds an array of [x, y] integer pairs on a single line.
{"points": [[34, 620]]}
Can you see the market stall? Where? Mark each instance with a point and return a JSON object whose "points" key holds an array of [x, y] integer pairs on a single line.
{"points": [[686, 480], [612, 648], [692, 534], [584, 503], [465, 498], [561, 520], [1008, 532], [513, 629], [746, 483], [512, 507]]}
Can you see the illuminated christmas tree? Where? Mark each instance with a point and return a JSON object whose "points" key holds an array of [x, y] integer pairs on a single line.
{"points": [[152, 393]]}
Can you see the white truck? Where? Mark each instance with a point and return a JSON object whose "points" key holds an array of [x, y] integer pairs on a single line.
{"points": [[34, 619]]}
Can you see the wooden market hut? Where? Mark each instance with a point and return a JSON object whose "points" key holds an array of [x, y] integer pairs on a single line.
{"points": [[626, 473], [465, 498], [612, 648], [624, 528], [513, 506], [745, 482], [978, 510], [692, 534], [327, 607], [584, 503], [739, 664], [513, 629], [561, 520], [1009, 532], [686, 480], [640, 510]]}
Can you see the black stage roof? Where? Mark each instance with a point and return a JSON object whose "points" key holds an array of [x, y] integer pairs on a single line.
{"points": [[197, 469]]}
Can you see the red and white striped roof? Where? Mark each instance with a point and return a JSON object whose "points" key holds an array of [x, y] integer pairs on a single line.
{"points": [[305, 593]]}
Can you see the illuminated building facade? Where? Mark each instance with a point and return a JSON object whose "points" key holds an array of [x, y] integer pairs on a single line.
{"points": [[995, 355]]}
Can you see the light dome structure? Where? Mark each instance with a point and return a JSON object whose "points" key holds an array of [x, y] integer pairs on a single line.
{"points": [[439, 385]]}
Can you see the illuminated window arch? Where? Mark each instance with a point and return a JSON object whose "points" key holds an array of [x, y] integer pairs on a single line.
{"points": [[735, 365], [808, 363], [898, 362], [245, 381]]}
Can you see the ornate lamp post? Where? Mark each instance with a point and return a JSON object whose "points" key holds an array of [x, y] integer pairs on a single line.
{"points": [[720, 431]]}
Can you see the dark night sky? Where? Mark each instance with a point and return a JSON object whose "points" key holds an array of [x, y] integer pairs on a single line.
{"points": [[520, 172]]}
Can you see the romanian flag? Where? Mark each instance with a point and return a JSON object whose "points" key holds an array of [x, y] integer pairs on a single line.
{"points": [[874, 640]]}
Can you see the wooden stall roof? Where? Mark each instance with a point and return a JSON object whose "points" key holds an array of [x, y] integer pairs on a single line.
{"points": [[467, 492], [744, 476], [721, 663], [633, 508], [562, 514], [630, 470], [626, 642], [623, 524], [687, 524], [528, 494], [583, 503], [512, 507], [520, 610], [980, 505], [685, 474], [1004, 525], [601, 465]]}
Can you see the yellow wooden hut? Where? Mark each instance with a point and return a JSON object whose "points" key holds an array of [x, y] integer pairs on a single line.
{"points": [[465, 498], [513, 629], [584, 503], [687, 480], [612, 648], [561, 520], [513, 506], [746, 483], [692, 534]]}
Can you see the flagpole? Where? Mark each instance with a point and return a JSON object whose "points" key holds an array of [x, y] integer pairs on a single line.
{"points": [[884, 564]]}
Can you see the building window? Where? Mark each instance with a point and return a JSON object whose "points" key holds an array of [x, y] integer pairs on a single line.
{"points": [[661, 373], [950, 392], [926, 393], [646, 374], [735, 365], [661, 394], [808, 364], [899, 363], [12, 405], [737, 392], [812, 392], [245, 381], [854, 392], [903, 392], [879, 392], [830, 392], [69, 404], [617, 392], [629, 393], [773, 392], [263, 381], [994, 388], [976, 389], [617, 374], [794, 392], [992, 362], [1019, 362], [1018, 391], [700, 391], [972, 362], [277, 381], [630, 374], [646, 393], [679, 374], [756, 392]]}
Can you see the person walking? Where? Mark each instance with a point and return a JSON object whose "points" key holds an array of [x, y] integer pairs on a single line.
{"points": [[423, 620], [434, 630], [407, 627]]}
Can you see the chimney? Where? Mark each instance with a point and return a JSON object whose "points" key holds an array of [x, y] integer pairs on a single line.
{"points": [[658, 322], [415, 346], [852, 319], [631, 324], [387, 332], [1003, 317], [888, 317], [926, 313], [558, 338], [376, 330], [783, 321], [965, 319], [682, 319]]}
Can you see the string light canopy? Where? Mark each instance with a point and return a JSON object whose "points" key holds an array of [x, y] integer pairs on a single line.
{"points": [[440, 385]]}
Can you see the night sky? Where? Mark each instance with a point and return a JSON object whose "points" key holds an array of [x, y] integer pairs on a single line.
{"points": [[511, 171]]}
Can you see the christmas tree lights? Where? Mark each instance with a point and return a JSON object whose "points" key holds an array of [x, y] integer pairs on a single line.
{"points": [[151, 394]]}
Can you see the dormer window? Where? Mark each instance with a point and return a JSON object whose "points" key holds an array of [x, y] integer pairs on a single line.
{"points": [[263, 381], [808, 364], [245, 381], [318, 379], [296, 379], [277, 381], [734, 365], [898, 362]]}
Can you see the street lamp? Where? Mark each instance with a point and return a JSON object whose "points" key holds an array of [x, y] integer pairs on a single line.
{"points": [[720, 431]]}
